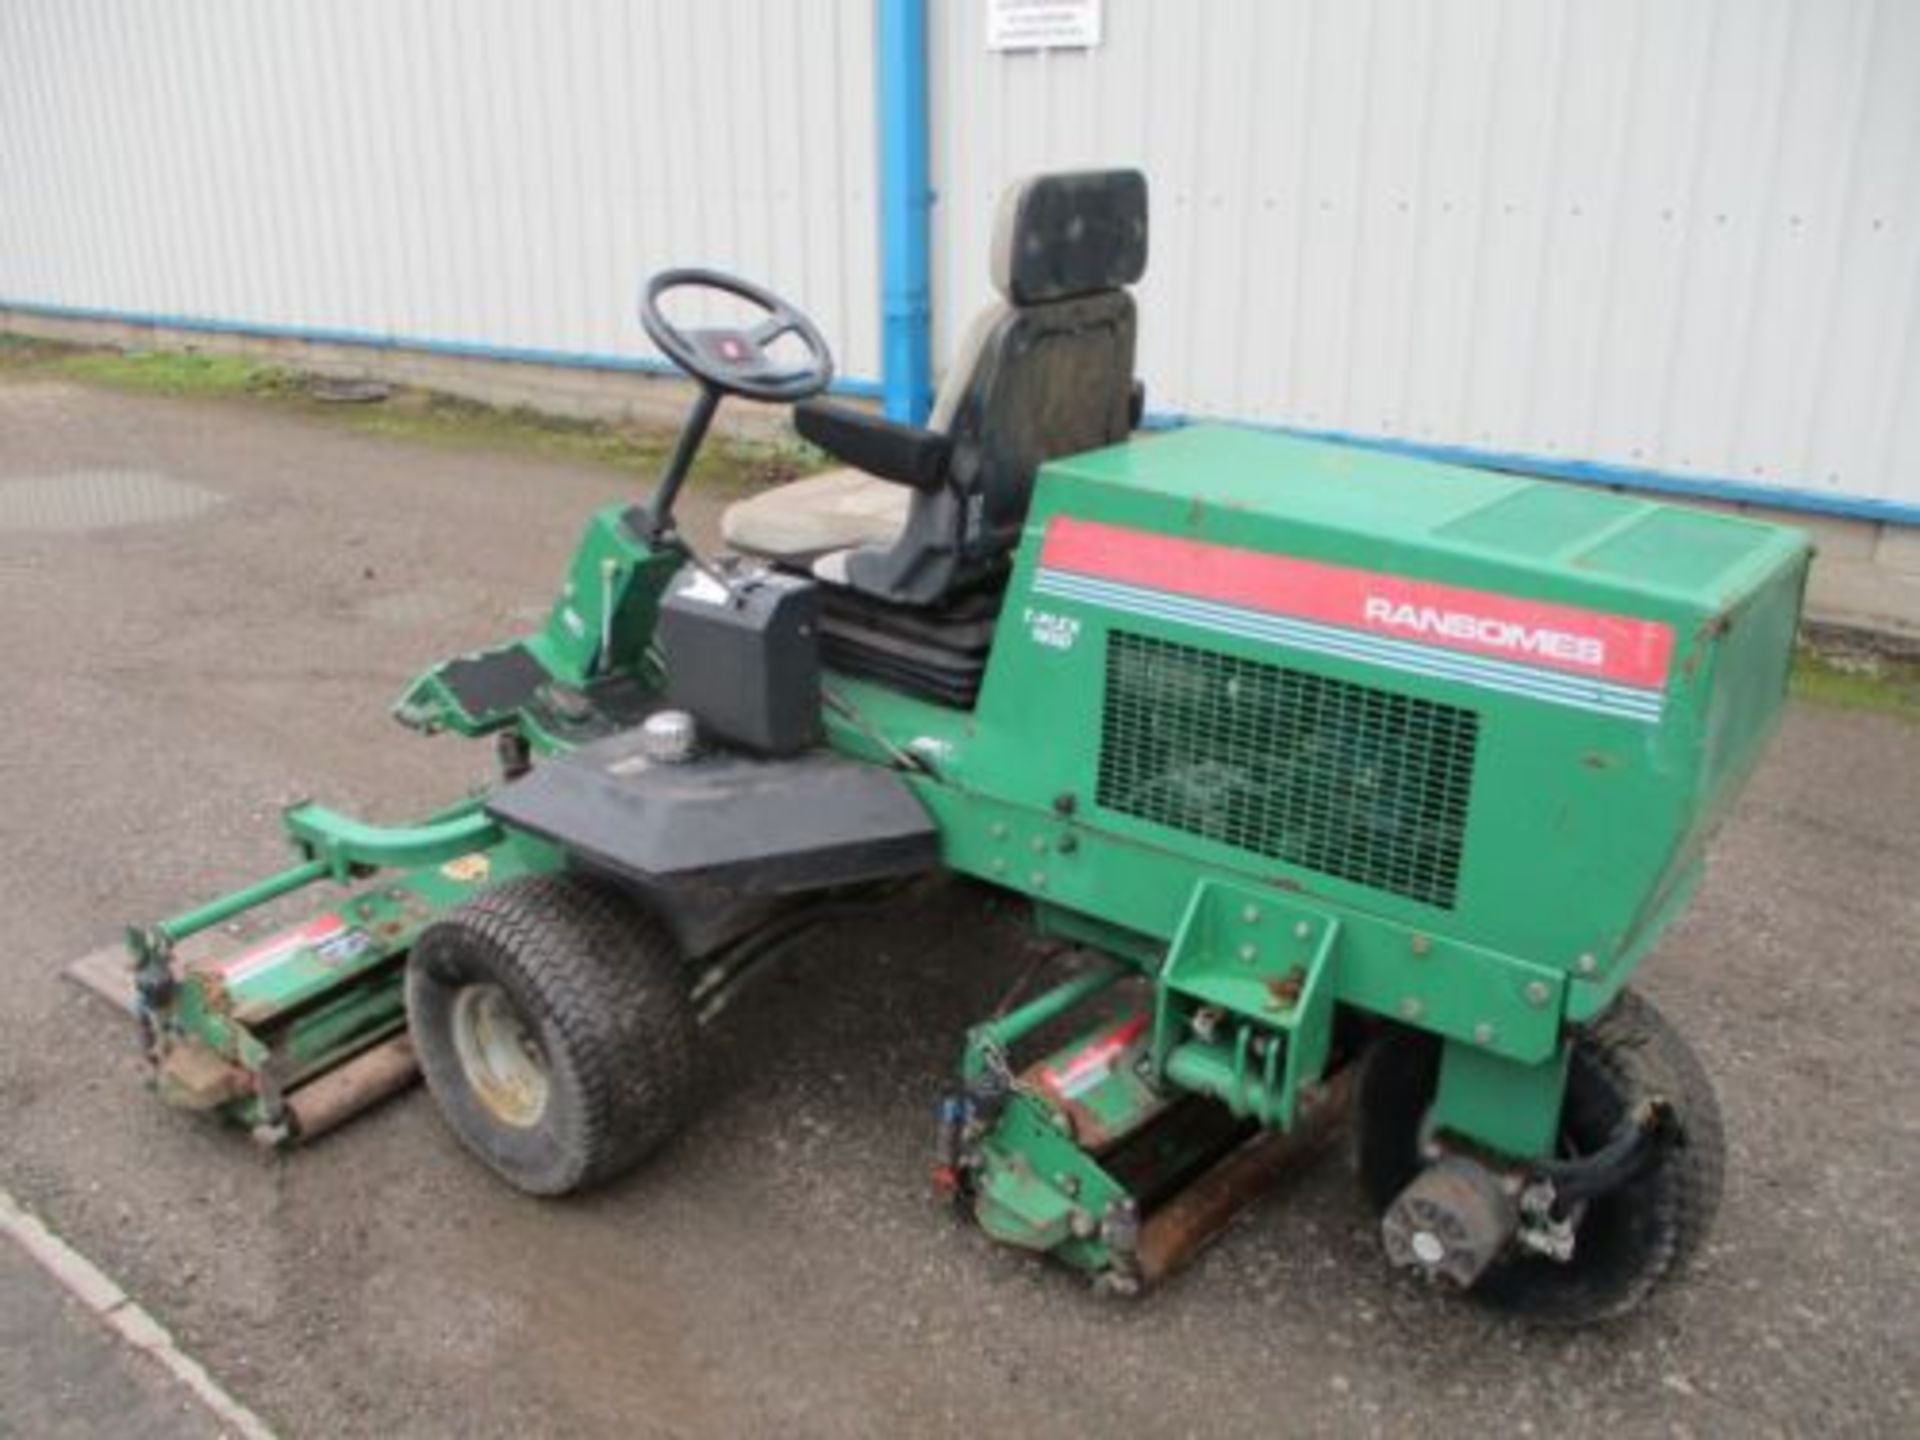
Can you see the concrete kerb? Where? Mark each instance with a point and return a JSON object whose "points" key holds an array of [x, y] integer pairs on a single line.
{"points": [[102, 1295]]}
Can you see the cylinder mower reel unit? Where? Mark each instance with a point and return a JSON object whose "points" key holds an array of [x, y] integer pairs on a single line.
{"points": [[1343, 789]]}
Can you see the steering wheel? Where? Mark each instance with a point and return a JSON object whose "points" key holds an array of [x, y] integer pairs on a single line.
{"points": [[736, 362]]}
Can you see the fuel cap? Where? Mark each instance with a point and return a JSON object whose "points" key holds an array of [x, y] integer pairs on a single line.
{"points": [[669, 737]]}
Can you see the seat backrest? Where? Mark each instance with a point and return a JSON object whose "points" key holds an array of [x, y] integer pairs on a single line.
{"points": [[1046, 372]]}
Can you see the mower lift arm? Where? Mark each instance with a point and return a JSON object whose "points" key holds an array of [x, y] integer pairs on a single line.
{"points": [[351, 847], [333, 846]]}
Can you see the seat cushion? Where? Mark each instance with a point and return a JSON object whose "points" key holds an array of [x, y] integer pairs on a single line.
{"points": [[800, 521]]}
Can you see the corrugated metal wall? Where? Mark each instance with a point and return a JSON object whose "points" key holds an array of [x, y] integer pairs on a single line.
{"points": [[496, 173], [1678, 235]]}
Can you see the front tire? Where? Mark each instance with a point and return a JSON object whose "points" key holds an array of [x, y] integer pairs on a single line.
{"points": [[1626, 1242], [554, 1029]]}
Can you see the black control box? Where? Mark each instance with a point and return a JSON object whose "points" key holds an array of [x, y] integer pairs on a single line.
{"points": [[743, 657]]}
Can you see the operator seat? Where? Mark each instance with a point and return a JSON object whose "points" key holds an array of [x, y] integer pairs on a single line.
{"points": [[925, 513]]}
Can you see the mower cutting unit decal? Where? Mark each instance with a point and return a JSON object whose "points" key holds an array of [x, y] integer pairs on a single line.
{"points": [[1609, 664], [1339, 787]]}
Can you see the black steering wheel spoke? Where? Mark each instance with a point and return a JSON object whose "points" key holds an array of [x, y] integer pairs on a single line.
{"points": [[773, 327]]}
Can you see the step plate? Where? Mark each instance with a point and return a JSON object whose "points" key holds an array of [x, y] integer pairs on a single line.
{"points": [[725, 820]]}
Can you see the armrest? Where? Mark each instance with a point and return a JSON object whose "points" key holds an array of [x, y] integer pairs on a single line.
{"points": [[904, 454]]}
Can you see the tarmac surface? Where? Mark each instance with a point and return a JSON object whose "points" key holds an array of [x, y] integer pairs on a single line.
{"points": [[782, 1269], [65, 1376]]}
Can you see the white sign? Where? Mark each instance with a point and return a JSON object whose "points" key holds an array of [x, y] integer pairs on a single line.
{"points": [[1043, 24]]}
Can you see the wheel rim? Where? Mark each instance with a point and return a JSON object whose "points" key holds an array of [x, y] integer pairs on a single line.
{"points": [[500, 1056]]}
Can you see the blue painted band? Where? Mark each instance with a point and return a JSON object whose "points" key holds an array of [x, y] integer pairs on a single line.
{"points": [[906, 203], [462, 349], [1586, 472], [1596, 472]]}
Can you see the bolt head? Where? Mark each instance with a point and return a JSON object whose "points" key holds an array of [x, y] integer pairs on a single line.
{"points": [[1483, 1034], [1538, 992], [1302, 930], [1038, 879], [1411, 1007], [1586, 964], [998, 830], [1038, 845], [1251, 914]]}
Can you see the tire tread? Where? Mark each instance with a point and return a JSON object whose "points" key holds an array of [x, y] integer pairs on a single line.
{"points": [[606, 976]]}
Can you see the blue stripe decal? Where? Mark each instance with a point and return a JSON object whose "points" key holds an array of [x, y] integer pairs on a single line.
{"points": [[1111, 592], [1348, 644], [1599, 697]]}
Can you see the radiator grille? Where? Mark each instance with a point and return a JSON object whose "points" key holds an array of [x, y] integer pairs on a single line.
{"points": [[1363, 784]]}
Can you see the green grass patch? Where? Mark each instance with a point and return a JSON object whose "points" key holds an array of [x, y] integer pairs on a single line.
{"points": [[417, 416], [161, 372], [158, 372], [1858, 681], [26, 352], [428, 418]]}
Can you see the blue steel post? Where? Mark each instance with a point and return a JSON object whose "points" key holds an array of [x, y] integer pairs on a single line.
{"points": [[906, 202]]}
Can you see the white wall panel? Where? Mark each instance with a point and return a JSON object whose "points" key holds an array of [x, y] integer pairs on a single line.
{"points": [[501, 173], [1678, 235]]}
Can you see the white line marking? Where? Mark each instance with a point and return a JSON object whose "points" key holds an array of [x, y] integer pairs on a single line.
{"points": [[96, 1290]]}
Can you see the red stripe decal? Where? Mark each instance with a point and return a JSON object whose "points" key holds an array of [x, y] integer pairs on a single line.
{"points": [[1616, 648], [276, 947]]}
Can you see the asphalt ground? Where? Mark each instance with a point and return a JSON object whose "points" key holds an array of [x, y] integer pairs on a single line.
{"points": [[782, 1269], [65, 1376]]}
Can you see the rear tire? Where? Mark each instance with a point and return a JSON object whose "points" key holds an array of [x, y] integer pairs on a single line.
{"points": [[1625, 1242], [553, 1026]]}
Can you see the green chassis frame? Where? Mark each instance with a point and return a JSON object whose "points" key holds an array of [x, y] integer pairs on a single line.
{"points": [[1248, 966]]}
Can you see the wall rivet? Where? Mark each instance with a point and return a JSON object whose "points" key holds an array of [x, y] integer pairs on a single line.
{"points": [[1538, 992], [1483, 1034], [1586, 964], [1251, 914], [1411, 1008]]}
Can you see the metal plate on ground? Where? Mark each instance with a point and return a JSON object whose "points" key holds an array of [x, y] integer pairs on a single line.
{"points": [[108, 971], [77, 501]]}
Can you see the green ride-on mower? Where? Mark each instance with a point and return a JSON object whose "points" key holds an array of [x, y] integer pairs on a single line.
{"points": [[1343, 786]]}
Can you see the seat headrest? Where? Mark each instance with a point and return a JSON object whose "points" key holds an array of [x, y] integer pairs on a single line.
{"points": [[1059, 236]]}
